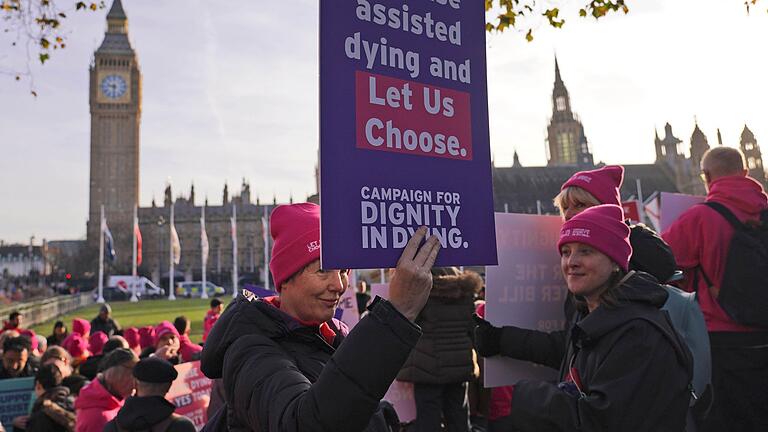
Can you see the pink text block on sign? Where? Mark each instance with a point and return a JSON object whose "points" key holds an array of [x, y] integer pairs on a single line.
{"points": [[401, 116]]}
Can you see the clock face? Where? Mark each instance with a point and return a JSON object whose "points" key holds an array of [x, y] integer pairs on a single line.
{"points": [[113, 86]]}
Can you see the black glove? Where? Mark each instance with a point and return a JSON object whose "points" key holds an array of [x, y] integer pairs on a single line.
{"points": [[487, 337]]}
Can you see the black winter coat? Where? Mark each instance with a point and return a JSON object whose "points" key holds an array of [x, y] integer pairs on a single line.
{"points": [[108, 326], [634, 369], [151, 414], [281, 376], [444, 352]]}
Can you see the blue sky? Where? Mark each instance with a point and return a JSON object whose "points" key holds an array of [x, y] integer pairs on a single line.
{"points": [[231, 91]]}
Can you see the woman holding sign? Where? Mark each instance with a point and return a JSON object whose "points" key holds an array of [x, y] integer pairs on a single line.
{"points": [[622, 365]]}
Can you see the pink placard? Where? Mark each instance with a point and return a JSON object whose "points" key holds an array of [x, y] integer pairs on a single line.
{"points": [[673, 205], [399, 116], [400, 394], [525, 290], [191, 393]]}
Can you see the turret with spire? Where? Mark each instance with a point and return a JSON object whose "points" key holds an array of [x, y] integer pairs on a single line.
{"points": [[192, 194], [245, 192], [516, 161], [699, 146], [666, 149], [561, 101], [116, 40], [167, 196], [752, 154]]}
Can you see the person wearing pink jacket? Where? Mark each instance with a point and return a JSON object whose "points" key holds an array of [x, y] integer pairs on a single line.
{"points": [[187, 350], [211, 317], [700, 240], [102, 398]]}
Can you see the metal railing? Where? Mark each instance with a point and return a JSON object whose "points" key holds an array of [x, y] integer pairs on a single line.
{"points": [[39, 311]]}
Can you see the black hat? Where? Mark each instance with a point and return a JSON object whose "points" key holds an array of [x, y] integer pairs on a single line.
{"points": [[154, 370], [651, 254]]}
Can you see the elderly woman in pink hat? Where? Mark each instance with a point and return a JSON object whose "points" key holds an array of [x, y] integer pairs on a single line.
{"points": [[622, 366]]}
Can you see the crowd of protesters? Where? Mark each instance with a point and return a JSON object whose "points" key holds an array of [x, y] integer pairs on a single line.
{"points": [[100, 376], [636, 353]]}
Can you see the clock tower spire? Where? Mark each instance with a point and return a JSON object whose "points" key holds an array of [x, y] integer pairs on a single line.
{"points": [[115, 105], [566, 141]]}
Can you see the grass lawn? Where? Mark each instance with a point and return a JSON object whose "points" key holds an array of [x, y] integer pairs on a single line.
{"points": [[142, 313]]}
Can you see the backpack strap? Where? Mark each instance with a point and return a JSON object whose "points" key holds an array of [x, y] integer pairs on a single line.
{"points": [[714, 291], [737, 225], [674, 337], [725, 213]]}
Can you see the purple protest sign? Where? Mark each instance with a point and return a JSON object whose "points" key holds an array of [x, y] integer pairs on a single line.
{"points": [[525, 290], [404, 131], [673, 205]]}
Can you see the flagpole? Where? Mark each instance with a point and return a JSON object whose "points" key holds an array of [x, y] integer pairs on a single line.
{"points": [[640, 201], [203, 252], [134, 298], [265, 234], [171, 271], [235, 276], [100, 299]]}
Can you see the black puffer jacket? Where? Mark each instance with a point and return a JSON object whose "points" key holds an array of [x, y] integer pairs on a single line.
{"points": [[282, 376], [444, 352], [633, 367]]}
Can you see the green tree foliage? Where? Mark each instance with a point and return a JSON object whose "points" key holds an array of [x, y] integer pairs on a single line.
{"points": [[36, 26]]}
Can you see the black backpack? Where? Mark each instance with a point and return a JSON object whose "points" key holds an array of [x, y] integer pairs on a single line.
{"points": [[743, 294]]}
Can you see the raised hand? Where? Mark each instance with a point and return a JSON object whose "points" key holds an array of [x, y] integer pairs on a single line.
{"points": [[168, 351], [412, 279]]}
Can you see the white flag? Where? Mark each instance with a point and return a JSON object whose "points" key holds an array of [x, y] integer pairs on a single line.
{"points": [[175, 245], [203, 242], [235, 278], [265, 237], [233, 231]]}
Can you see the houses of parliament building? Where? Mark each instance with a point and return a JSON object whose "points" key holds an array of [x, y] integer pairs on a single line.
{"points": [[115, 107]]}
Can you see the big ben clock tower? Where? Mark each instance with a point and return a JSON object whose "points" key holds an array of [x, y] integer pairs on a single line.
{"points": [[115, 101]]}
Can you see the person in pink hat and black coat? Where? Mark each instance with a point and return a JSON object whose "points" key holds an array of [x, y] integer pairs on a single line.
{"points": [[622, 367], [281, 359], [650, 253]]}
